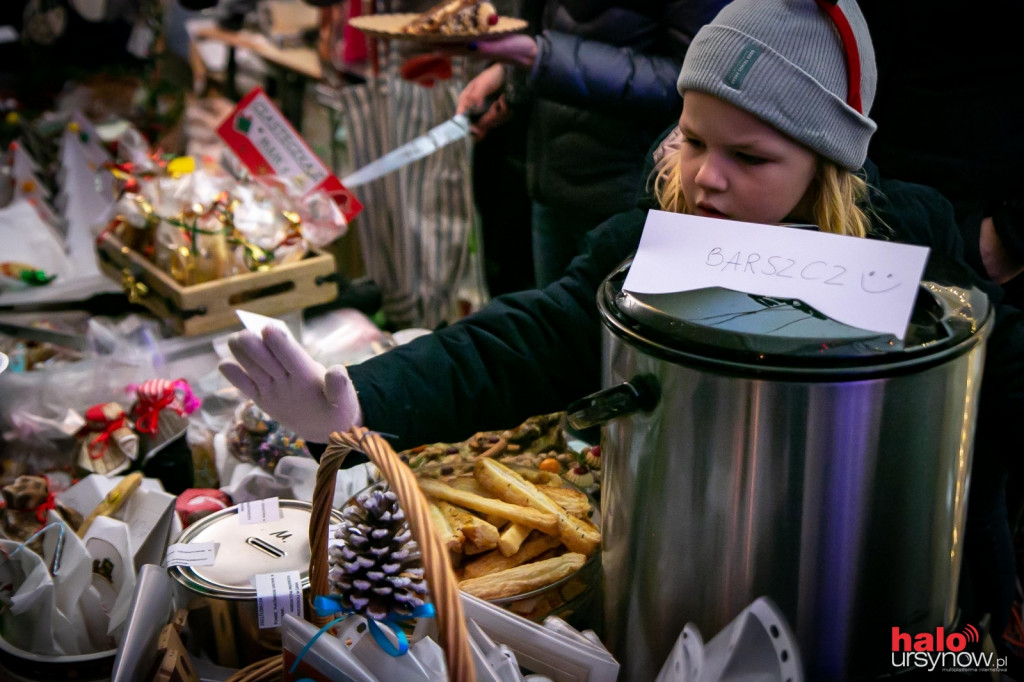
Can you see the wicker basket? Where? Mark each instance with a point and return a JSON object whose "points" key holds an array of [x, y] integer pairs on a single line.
{"points": [[444, 591]]}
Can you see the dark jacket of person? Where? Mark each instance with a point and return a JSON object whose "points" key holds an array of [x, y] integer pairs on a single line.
{"points": [[949, 107], [603, 87]]}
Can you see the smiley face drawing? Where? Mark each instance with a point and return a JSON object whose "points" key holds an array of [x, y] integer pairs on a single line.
{"points": [[874, 282]]}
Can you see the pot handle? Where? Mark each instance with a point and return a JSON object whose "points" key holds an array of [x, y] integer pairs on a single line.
{"points": [[642, 392]]}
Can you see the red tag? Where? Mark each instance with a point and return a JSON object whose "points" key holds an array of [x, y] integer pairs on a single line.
{"points": [[267, 144]]}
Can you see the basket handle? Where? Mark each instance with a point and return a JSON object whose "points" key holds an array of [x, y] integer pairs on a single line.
{"points": [[451, 624]]}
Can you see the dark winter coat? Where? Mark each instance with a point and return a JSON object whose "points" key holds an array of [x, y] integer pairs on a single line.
{"points": [[949, 107], [602, 88]]}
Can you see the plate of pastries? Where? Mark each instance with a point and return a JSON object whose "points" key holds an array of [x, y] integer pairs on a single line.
{"points": [[450, 21]]}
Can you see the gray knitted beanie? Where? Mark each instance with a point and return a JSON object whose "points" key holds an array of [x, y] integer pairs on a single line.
{"points": [[785, 62]]}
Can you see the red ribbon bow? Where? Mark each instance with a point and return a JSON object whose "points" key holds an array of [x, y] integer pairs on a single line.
{"points": [[51, 503], [98, 421], [154, 395]]}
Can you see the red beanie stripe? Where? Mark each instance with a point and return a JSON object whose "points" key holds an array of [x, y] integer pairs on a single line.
{"points": [[850, 51]]}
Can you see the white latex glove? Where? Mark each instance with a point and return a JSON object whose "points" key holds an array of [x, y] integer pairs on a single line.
{"points": [[289, 385]]}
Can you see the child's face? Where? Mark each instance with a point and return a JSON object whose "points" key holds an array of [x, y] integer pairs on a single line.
{"points": [[736, 166]]}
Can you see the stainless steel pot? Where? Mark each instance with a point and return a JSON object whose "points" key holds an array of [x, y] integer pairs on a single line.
{"points": [[223, 616], [753, 446]]}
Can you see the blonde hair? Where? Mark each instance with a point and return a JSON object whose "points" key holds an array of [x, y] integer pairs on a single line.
{"points": [[835, 207]]}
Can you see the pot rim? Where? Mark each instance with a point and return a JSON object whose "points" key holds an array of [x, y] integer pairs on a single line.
{"points": [[753, 363]]}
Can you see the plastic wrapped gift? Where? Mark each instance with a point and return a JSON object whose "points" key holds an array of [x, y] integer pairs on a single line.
{"points": [[195, 503], [255, 437], [106, 444], [200, 224], [160, 413], [194, 247], [26, 503]]}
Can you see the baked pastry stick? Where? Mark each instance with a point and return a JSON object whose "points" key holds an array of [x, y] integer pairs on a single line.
{"points": [[524, 578]]}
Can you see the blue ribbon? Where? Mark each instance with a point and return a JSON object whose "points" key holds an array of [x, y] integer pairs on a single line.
{"points": [[329, 605], [312, 641], [389, 436], [58, 550], [325, 606]]}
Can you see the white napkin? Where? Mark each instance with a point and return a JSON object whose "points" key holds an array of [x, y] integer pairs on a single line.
{"points": [[72, 579], [424, 662], [32, 623], [109, 544]]}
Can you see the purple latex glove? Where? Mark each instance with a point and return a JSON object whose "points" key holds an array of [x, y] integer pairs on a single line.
{"points": [[289, 385]]}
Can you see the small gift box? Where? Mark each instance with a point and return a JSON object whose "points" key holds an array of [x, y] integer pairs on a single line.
{"points": [[160, 413], [25, 503], [106, 444]]}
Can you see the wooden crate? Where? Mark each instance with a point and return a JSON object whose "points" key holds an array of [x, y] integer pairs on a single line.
{"points": [[210, 306]]}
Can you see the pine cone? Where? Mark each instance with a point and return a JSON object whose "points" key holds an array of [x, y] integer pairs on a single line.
{"points": [[378, 570]]}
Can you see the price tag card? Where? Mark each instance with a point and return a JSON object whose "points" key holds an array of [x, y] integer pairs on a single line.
{"points": [[194, 554], [267, 144], [864, 283], [277, 594], [259, 511], [256, 323]]}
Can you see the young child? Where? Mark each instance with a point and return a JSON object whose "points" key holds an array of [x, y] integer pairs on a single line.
{"points": [[774, 129]]}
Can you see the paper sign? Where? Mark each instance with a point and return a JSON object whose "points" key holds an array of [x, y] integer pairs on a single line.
{"points": [[190, 554], [259, 511], [864, 283], [277, 594], [256, 323], [267, 144]]}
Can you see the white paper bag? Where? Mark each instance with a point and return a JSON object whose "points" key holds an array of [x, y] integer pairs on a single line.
{"points": [[71, 579], [423, 662], [113, 571], [31, 622], [148, 513], [328, 655]]}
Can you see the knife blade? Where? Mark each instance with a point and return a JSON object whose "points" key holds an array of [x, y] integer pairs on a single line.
{"points": [[44, 335], [455, 128]]}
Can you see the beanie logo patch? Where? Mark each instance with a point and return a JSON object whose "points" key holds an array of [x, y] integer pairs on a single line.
{"points": [[741, 65]]}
